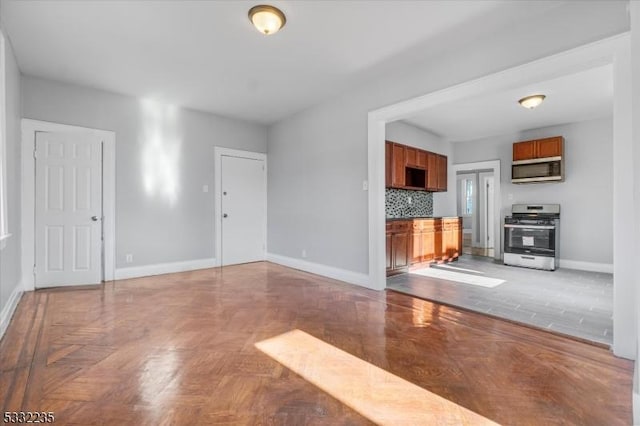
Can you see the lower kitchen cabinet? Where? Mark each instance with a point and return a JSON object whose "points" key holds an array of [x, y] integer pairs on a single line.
{"points": [[398, 246], [451, 238], [415, 243]]}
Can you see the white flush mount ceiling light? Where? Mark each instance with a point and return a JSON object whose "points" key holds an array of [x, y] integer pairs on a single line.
{"points": [[267, 19], [532, 101]]}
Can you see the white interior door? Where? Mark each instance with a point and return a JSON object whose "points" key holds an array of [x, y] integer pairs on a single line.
{"points": [[68, 209], [244, 210]]}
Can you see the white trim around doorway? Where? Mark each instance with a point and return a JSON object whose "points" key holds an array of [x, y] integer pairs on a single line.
{"points": [[497, 197], [613, 50], [218, 153], [29, 129], [574, 60]]}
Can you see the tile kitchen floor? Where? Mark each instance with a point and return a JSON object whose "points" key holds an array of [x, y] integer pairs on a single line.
{"points": [[577, 303]]}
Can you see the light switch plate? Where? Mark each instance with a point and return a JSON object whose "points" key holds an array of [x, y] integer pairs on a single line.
{"points": [[205, 188], [365, 185]]}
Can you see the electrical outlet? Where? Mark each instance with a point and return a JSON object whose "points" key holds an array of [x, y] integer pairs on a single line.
{"points": [[304, 253], [409, 199], [205, 188], [129, 258]]}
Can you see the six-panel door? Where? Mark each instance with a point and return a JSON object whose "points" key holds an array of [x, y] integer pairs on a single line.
{"points": [[68, 209]]}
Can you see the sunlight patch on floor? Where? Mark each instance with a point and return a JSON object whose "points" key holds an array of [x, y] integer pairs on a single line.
{"points": [[376, 394], [459, 277], [457, 268]]}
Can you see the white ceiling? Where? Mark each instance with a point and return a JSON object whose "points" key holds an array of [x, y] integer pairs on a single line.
{"points": [[577, 97], [206, 56]]}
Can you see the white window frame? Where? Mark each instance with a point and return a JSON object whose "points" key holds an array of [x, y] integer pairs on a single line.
{"points": [[4, 223]]}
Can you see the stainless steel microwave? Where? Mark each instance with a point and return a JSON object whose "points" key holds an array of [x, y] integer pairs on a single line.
{"points": [[549, 169]]}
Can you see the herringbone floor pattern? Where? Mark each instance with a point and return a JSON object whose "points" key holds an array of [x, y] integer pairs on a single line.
{"points": [[179, 349]]}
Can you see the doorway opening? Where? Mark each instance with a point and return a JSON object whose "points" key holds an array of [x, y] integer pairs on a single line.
{"points": [[589, 57], [475, 204]]}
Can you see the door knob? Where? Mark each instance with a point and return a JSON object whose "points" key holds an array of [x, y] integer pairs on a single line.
{"points": [[225, 215], [94, 218]]}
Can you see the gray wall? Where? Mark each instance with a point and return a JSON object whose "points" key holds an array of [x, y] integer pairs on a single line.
{"points": [[318, 158], [586, 195], [407, 134], [10, 256], [157, 146], [635, 69]]}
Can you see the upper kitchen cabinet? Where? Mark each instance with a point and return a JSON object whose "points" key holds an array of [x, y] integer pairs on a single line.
{"points": [[388, 148], [524, 150], [549, 147], [415, 158], [539, 148], [441, 184], [432, 172], [412, 168], [398, 165]]}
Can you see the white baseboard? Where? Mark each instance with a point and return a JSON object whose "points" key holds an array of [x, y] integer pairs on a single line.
{"points": [[635, 396], [163, 268], [636, 408], [9, 308], [319, 269], [587, 266]]}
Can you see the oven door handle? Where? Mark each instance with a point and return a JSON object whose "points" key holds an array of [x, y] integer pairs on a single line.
{"points": [[509, 225]]}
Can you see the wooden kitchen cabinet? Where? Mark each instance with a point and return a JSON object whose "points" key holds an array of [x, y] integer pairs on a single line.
{"points": [[415, 157], [437, 240], [538, 148], [389, 252], [524, 150], [441, 173], [398, 166], [451, 238], [429, 240], [398, 246], [428, 245], [400, 243], [423, 249], [549, 147], [410, 156], [421, 159], [388, 148], [416, 243], [412, 168], [432, 172], [436, 172]]}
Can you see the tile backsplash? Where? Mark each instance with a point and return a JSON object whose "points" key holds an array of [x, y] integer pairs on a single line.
{"points": [[406, 203]]}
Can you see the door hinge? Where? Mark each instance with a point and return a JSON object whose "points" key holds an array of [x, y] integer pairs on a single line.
{"points": [[34, 270], [35, 154]]}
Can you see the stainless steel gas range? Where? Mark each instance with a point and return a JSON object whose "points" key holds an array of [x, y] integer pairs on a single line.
{"points": [[531, 236]]}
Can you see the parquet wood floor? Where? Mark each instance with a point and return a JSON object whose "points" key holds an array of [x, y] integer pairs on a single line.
{"points": [[181, 349]]}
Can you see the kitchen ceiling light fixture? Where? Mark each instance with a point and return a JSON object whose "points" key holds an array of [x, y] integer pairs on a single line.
{"points": [[267, 19], [532, 101]]}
